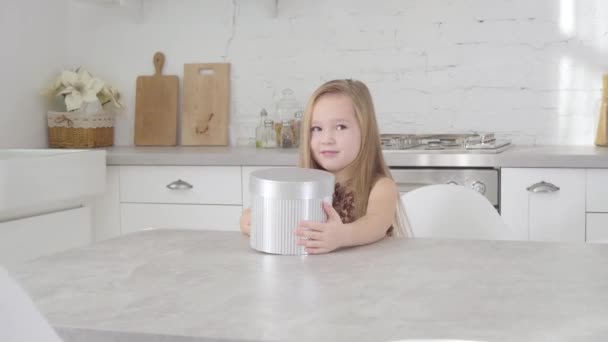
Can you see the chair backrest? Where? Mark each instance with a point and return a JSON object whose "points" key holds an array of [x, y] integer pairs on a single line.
{"points": [[452, 211], [20, 320]]}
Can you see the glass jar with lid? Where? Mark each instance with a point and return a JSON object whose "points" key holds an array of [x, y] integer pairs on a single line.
{"points": [[259, 130], [286, 107], [287, 137]]}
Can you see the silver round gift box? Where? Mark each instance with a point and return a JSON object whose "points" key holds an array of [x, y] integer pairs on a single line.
{"points": [[280, 199]]}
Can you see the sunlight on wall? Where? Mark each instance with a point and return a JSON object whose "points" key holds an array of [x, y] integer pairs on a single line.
{"points": [[567, 17], [580, 70]]}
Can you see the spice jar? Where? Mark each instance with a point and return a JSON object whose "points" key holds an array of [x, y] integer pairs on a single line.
{"points": [[287, 138], [297, 127]]}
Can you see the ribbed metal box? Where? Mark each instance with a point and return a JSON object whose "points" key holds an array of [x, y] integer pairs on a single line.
{"points": [[280, 199]]}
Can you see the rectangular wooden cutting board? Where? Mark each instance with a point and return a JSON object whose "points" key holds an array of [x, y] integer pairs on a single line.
{"points": [[156, 102], [206, 104]]}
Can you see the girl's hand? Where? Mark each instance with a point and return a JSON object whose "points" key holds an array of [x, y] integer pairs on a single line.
{"points": [[318, 237], [246, 221]]}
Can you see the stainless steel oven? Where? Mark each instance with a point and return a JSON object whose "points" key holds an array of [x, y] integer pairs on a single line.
{"points": [[466, 146], [484, 181]]}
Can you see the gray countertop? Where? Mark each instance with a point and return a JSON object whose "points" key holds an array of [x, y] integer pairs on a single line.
{"points": [[164, 285], [516, 156]]}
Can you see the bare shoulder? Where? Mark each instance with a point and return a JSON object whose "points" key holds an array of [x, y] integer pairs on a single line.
{"points": [[385, 186], [383, 198]]}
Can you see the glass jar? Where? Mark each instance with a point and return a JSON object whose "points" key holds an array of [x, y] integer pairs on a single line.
{"points": [[259, 130], [287, 138], [285, 109], [297, 127], [270, 135]]}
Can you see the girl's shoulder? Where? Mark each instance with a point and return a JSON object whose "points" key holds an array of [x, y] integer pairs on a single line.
{"points": [[385, 181], [384, 185]]}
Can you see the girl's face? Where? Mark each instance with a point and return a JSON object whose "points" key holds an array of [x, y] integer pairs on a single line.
{"points": [[335, 136]]}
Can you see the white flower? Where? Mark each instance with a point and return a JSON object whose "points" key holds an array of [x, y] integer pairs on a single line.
{"points": [[80, 88], [109, 94]]}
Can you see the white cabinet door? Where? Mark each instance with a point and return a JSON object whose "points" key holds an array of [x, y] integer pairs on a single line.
{"points": [[181, 184], [544, 204], [597, 228], [597, 190], [40, 235], [136, 216]]}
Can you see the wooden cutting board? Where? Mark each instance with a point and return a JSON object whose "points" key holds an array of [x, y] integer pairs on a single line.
{"points": [[156, 102], [206, 104]]}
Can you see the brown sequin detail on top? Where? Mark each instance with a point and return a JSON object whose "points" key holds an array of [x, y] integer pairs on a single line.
{"points": [[344, 203]]}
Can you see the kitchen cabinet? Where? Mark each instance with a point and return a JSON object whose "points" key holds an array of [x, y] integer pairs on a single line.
{"points": [[44, 200], [597, 190], [138, 216], [188, 197], [184, 197], [542, 204], [181, 184], [597, 206], [597, 228], [35, 236]]}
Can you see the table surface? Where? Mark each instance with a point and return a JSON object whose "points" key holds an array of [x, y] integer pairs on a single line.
{"points": [[178, 285]]}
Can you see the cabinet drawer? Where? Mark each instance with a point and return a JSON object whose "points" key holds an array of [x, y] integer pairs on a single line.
{"points": [[135, 216], [544, 204], [597, 228], [36, 236], [597, 190], [203, 184]]}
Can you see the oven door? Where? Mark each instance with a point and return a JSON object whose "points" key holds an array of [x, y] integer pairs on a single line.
{"points": [[484, 181]]}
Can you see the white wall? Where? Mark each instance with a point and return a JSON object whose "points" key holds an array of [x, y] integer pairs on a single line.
{"points": [[32, 34], [528, 69]]}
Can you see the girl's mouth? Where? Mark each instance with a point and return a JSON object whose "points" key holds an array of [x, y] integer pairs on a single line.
{"points": [[329, 153]]}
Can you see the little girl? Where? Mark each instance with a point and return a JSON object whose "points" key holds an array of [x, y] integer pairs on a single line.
{"points": [[340, 135]]}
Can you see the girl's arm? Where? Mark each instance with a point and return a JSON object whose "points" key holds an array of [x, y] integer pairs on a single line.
{"points": [[325, 237], [246, 221], [378, 218]]}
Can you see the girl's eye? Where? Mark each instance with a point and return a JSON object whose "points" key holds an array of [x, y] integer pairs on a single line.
{"points": [[341, 127], [315, 129]]}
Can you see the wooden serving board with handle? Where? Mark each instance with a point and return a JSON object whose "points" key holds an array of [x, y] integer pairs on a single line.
{"points": [[156, 103], [206, 104]]}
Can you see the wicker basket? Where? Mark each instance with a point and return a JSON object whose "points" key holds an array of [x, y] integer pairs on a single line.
{"points": [[80, 130]]}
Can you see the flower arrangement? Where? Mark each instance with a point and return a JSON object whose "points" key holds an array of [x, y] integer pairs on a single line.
{"points": [[79, 89]]}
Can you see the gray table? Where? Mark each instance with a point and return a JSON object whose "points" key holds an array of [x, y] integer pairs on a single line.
{"points": [[203, 286]]}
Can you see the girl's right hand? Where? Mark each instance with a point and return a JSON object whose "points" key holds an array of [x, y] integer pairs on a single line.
{"points": [[246, 221]]}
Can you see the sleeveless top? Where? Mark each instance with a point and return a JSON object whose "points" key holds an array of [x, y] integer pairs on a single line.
{"points": [[344, 203]]}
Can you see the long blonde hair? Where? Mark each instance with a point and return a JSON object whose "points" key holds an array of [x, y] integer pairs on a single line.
{"points": [[369, 163]]}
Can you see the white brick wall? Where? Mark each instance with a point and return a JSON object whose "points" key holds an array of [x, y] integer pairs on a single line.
{"points": [[529, 69]]}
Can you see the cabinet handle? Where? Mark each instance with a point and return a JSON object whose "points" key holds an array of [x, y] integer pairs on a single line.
{"points": [[543, 187], [179, 185]]}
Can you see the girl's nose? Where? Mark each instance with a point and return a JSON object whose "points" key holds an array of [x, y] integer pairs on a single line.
{"points": [[328, 138]]}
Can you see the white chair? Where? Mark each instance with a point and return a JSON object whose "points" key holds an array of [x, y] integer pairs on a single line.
{"points": [[454, 212], [20, 320]]}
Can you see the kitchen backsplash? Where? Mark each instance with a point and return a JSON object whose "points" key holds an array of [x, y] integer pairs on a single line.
{"points": [[530, 70]]}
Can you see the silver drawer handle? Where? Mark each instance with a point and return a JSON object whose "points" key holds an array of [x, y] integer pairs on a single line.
{"points": [[542, 187], [179, 185]]}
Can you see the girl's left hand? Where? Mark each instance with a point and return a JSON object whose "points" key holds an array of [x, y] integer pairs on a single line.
{"points": [[319, 237]]}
